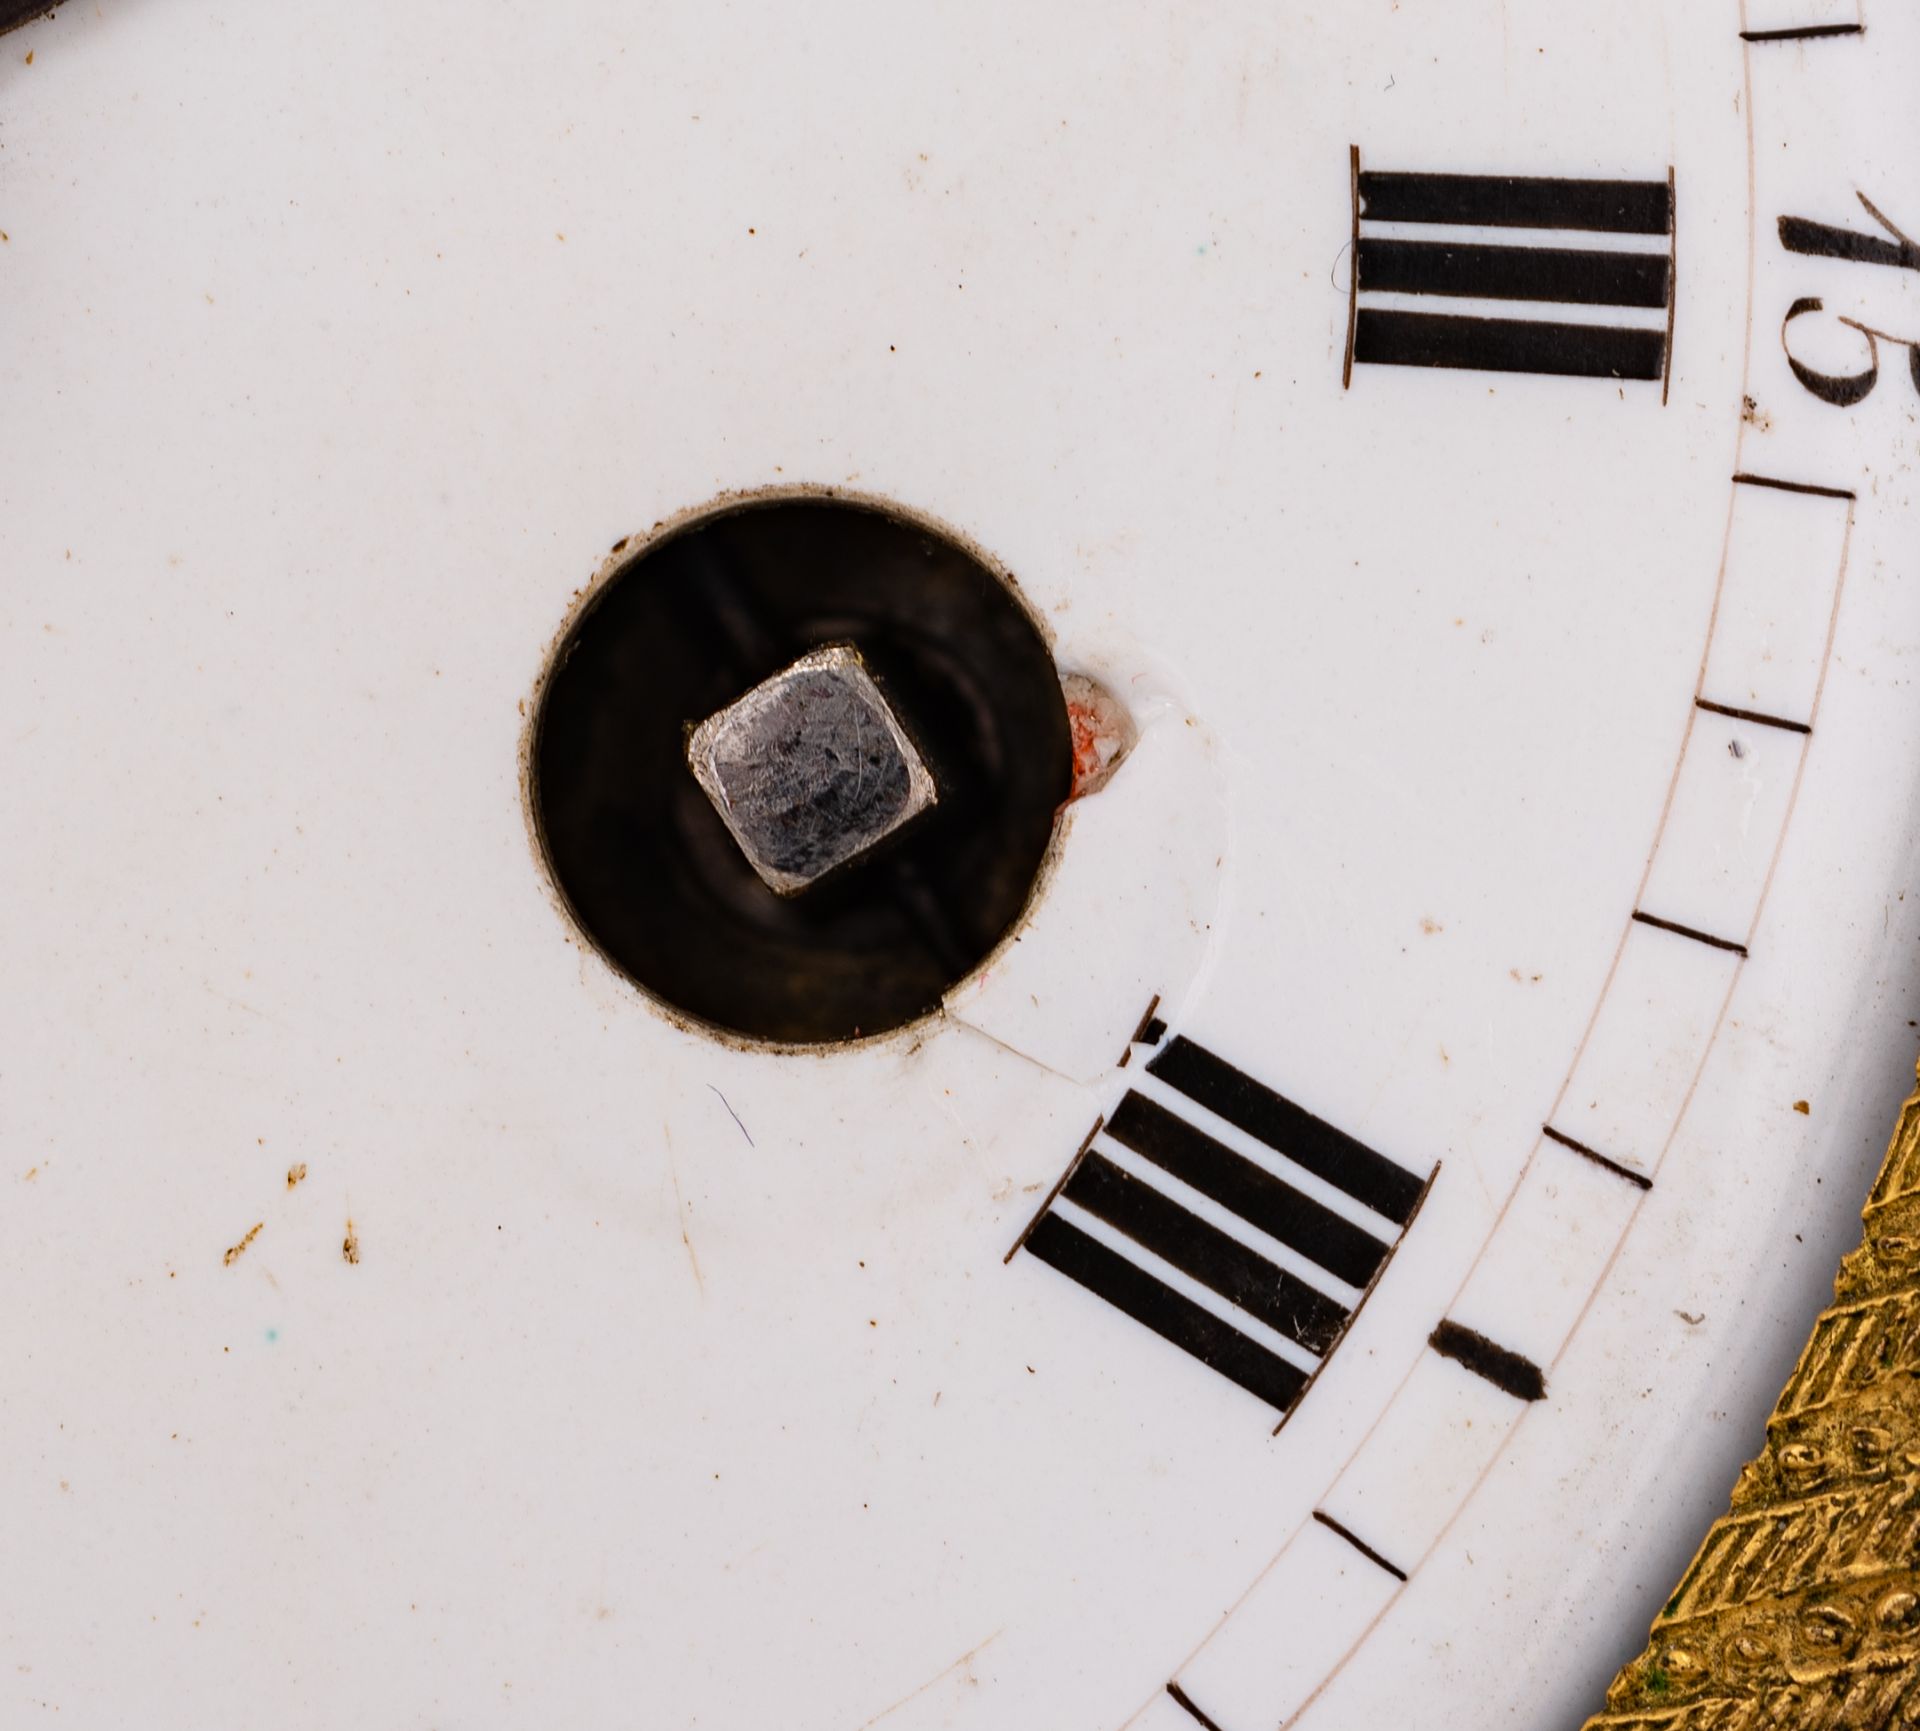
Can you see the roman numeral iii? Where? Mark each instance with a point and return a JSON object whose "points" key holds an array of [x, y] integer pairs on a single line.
{"points": [[1532, 293], [1228, 1220]]}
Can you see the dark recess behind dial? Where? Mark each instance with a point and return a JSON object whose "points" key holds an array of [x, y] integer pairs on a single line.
{"points": [[694, 620], [13, 14]]}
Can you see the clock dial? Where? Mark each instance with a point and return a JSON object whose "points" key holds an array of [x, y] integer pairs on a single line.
{"points": [[1299, 1129]]}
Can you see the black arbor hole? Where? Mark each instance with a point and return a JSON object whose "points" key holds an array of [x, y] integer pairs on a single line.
{"points": [[699, 616]]}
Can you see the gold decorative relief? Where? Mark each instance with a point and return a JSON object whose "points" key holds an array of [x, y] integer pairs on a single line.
{"points": [[1801, 1611]]}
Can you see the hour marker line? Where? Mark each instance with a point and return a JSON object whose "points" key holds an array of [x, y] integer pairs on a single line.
{"points": [[1572, 277], [1753, 715], [1360, 1303], [1359, 1544], [1508, 1371], [1746, 480], [1673, 274], [1353, 265], [1803, 33], [1182, 1699], [1599, 1159], [1143, 1033], [1699, 937], [1412, 339], [1516, 201], [1073, 1166]]}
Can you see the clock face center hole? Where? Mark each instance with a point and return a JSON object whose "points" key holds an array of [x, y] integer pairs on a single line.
{"points": [[702, 745]]}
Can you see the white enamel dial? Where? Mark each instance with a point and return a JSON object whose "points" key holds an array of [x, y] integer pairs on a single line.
{"points": [[1502, 913]]}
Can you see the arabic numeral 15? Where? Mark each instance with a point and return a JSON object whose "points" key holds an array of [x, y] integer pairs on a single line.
{"points": [[1821, 240]]}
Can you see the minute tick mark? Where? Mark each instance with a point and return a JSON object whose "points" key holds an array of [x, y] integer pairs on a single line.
{"points": [[1366, 1550], [1183, 1700], [1803, 33], [1744, 479], [1508, 1371], [1632, 1177], [1698, 936], [1753, 715]]}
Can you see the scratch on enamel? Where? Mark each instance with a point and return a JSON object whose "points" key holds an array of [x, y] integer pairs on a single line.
{"points": [[680, 1212], [965, 1658]]}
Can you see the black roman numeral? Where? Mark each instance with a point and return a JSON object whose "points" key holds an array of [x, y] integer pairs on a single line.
{"points": [[1170, 1154], [1392, 264]]}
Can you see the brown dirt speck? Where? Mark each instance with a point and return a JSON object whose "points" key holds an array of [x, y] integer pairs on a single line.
{"points": [[235, 1251], [350, 1245], [296, 1172]]}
